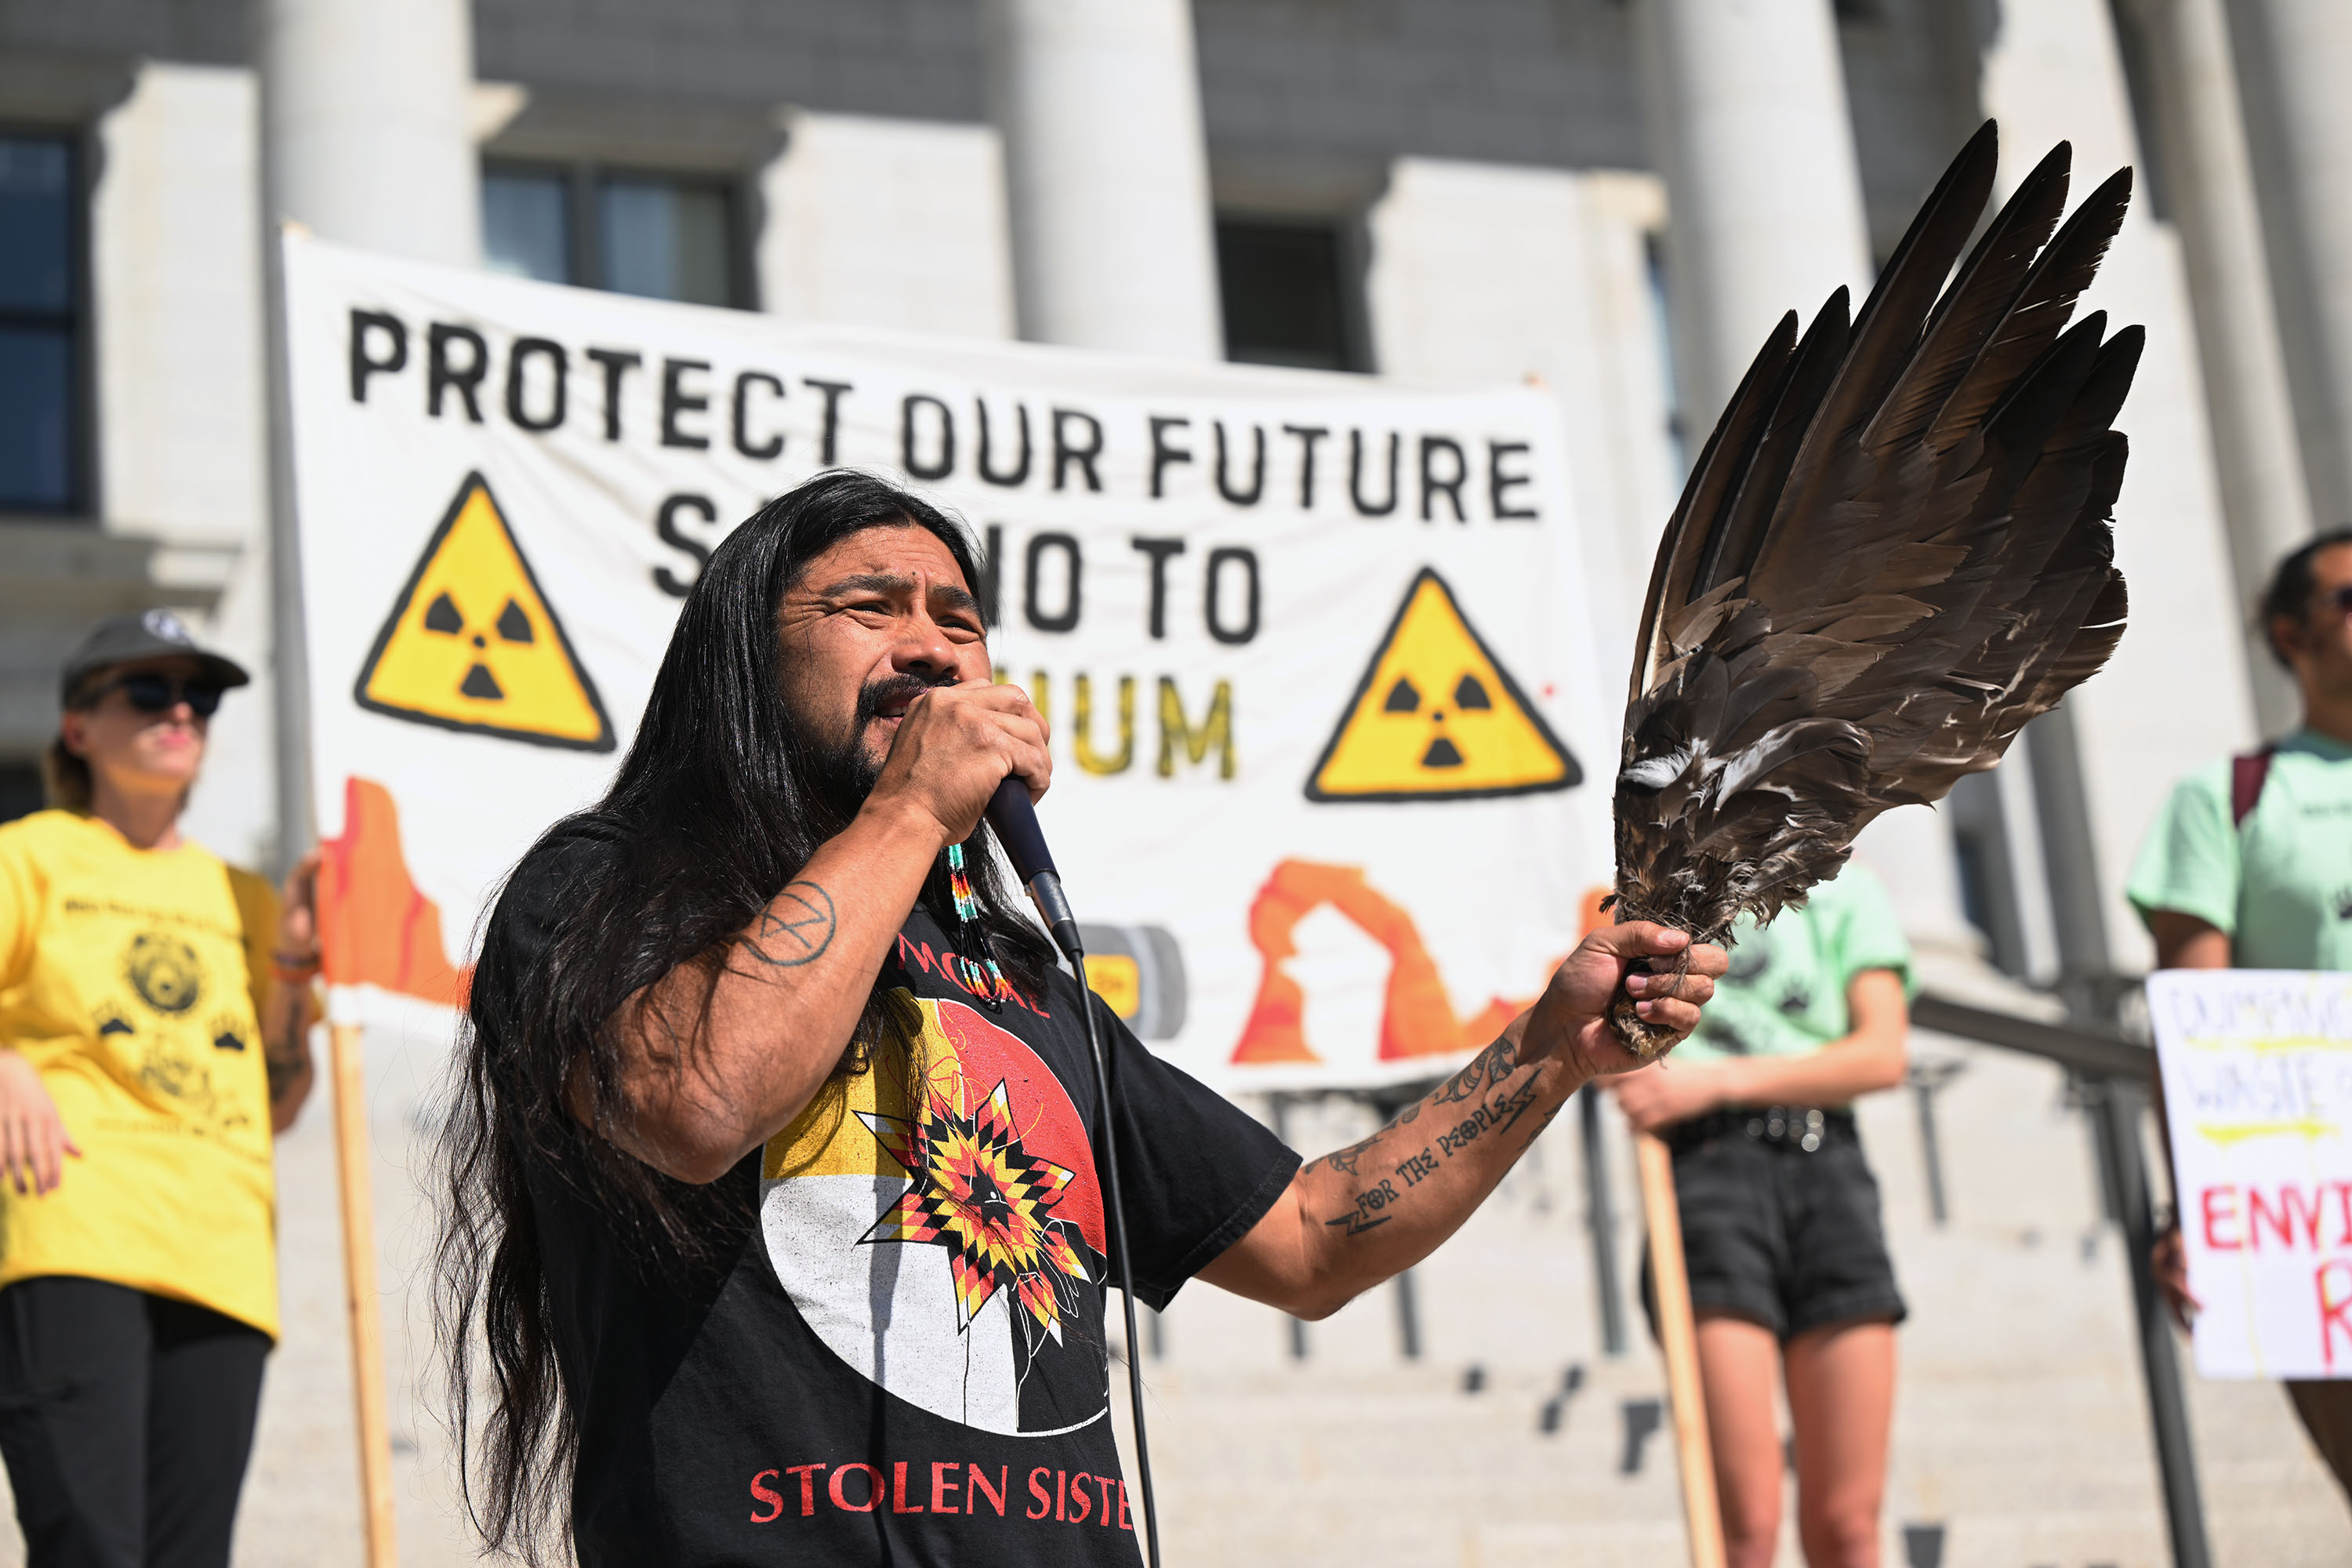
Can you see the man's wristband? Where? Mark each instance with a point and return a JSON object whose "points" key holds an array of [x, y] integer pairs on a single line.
{"points": [[293, 969]]}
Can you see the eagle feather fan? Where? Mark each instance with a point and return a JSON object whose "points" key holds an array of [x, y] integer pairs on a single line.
{"points": [[1894, 549]]}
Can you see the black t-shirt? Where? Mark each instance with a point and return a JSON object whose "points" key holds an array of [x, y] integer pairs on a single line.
{"points": [[906, 1361]]}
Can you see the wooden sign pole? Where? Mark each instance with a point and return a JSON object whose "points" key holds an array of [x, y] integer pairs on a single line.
{"points": [[359, 1293], [1678, 1336]]}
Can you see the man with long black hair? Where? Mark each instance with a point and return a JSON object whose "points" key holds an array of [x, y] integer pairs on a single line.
{"points": [[773, 1212]]}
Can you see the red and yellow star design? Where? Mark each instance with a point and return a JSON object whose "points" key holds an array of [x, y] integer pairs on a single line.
{"points": [[985, 1198]]}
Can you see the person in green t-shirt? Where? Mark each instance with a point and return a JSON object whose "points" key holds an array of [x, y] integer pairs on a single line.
{"points": [[1788, 1270], [2250, 865]]}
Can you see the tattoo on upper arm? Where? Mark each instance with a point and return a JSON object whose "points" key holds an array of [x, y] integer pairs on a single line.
{"points": [[795, 929]]}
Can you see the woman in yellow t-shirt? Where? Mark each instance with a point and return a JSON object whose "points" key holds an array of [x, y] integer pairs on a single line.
{"points": [[153, 1009]]}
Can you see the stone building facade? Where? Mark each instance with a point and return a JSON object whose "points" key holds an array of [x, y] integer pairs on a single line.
{"points": [[1614, 197]]}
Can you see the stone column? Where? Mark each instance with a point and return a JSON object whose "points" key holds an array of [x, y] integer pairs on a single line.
{"points": [[2176, 694], [364, 125], [1746, 107], [2208, 175], [366, 139], [1100, 104], [2295, 58]]}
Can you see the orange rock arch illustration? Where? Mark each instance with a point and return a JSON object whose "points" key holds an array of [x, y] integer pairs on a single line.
{"points": [[375, 928], [1418, 1019]]}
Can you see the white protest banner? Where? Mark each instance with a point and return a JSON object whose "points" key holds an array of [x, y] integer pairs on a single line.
{"points": [[2257, 1068], [1331, 762]]}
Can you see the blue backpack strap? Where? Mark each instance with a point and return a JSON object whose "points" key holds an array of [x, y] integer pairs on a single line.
{"points": [[2247, 775]]}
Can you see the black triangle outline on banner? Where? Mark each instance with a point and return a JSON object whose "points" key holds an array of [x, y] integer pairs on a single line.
{"points": [[1573, 776], [603, 741]]}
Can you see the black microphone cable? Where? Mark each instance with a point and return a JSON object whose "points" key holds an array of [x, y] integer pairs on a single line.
{"points": [[1014, 819]]}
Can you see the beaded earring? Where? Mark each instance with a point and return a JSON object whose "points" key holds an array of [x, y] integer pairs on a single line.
{"points": [[985, 980]]}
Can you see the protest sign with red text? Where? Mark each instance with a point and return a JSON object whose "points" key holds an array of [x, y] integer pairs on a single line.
{"points": [[2257, 1069]]}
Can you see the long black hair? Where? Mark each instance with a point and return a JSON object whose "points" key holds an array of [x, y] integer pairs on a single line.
{"points": [[723, 797]]}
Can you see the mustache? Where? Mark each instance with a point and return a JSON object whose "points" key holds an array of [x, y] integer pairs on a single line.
{"points": [[895, 690]]}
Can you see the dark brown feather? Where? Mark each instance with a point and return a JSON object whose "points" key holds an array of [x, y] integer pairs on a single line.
{"points": [[1985, 288], [1713, 481], [1894, 551]]}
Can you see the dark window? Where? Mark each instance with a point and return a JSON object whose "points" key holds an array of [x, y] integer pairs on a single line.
{"points": [[20, 790], [664, 239], [1661, 330], [40, 307], [1989, 894], [657, 235], [1288, 294], [527, 224]]}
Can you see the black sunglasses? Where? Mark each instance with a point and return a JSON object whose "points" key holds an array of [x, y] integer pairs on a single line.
{"points": [[157, 693]]}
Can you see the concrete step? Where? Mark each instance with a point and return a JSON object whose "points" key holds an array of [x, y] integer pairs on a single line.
{"points": [[2021, 1426]]}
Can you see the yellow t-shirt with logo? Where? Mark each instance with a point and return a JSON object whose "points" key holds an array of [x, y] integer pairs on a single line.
{"points": [[131, 979]]}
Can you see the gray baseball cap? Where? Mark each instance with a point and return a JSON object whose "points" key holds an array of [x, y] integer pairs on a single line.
{"points": [[137, 635]]}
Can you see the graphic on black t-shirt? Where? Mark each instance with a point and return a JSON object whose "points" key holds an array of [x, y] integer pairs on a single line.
{"points": [[906, 1364], [984, 1197], [937, 1222]]}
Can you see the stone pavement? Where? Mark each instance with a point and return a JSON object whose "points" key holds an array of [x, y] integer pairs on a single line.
{"points": [[2020, 1429]]}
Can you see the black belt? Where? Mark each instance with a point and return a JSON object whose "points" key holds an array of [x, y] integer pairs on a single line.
{"points": [[1800, 1128]]}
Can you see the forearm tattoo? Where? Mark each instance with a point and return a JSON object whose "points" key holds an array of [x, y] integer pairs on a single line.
{"points": [[795, 929], [1493, 1109], [1346, 1160]]}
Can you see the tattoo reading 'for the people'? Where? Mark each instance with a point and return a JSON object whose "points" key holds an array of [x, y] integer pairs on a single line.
{"points": [[795, 929], [1499, 1114]]}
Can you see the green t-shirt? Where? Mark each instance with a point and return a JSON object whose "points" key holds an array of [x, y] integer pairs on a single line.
{"points": [[1785, 996], [2279, 885]]}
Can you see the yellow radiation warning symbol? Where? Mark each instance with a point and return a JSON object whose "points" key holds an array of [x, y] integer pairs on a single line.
{"points": [[1436, 718], [472, 644]]}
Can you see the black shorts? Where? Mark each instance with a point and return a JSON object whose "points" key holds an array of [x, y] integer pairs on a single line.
{"points": [[1784, 1238]]}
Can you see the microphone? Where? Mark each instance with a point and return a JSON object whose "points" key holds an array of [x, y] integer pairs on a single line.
{"points": [[1015, 818]]}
